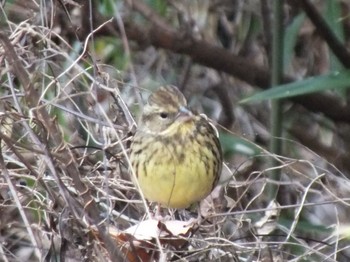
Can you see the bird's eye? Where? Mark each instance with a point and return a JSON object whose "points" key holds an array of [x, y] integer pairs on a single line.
{"points": [[163, 115]]}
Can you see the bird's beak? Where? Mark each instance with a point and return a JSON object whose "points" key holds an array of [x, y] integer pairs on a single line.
{"points": [[184, 114]]}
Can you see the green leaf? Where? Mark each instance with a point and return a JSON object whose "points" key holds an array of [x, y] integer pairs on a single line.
{"points": [[291, 37], [111, 50], [106, 7], [335, 80], [232, 144], [160, 6], [333, 14]]}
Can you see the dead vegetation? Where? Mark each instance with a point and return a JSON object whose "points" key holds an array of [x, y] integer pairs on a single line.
{"points": [[73, 78]]}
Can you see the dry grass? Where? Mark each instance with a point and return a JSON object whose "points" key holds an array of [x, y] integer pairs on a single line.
{"points": [[65, 188]]}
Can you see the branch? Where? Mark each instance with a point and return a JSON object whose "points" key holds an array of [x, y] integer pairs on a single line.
{"points": [[323, 29], [217, 58], [66, 160]]}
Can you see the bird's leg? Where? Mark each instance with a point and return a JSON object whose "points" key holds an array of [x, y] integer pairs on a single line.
{"points": [[199, 216], [158, 215]]}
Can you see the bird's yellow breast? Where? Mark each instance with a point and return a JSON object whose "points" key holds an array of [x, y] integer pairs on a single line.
{"points": [[176, 169]]}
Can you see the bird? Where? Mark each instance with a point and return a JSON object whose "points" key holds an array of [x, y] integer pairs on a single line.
{"points": [[175, 153]]}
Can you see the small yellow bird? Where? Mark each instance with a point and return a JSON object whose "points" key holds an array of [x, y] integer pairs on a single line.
{"points": [[175, 153]]}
